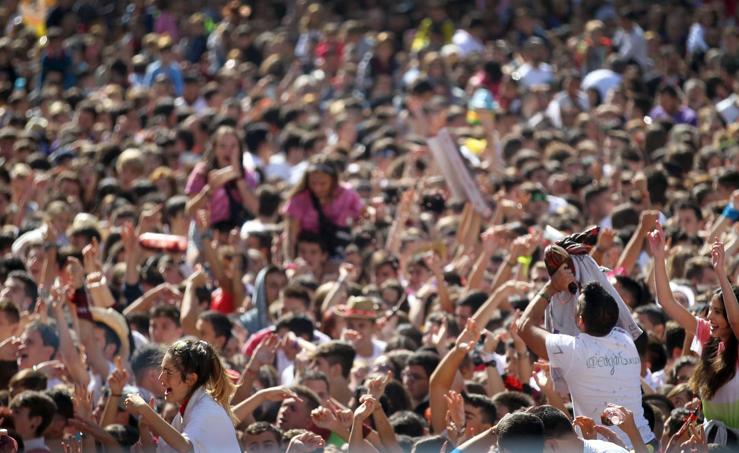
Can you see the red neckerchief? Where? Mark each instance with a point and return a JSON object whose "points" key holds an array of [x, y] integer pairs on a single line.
{"points": [[183, 406]]}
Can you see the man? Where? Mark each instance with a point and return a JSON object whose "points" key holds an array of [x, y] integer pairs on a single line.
{"points": [[39, 343], [689, 218], [20, 288], [167, 65], [294, 413], [318, 382], [335, 360], [146, 365], [600, 365], [32, 414], [165, 328], [9, 319], [262, 437], [360, 317], [416, 376], [520, 432], [313, 250], [214, 328], [559, 434]]}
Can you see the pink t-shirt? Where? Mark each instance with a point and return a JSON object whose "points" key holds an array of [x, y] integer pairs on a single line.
{"points": [[345, 205], [219, 209]]}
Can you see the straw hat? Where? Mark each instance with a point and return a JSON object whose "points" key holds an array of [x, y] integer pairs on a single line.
{"points": [[359, 307], [117, 323]]}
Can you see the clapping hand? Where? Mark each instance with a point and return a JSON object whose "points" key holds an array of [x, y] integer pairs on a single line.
{"points": [[305, 443]]}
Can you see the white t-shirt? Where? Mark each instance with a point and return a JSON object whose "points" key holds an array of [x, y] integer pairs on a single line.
{"points": [[599, 371], [206, 425], [601, 446]]}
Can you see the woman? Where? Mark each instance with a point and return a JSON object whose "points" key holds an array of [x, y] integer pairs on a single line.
{"points": [[194, 379], [715, 379], [222, 182], [320, 188]]}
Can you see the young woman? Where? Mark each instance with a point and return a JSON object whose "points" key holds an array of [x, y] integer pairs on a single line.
{"points": [[715, 379], [194, 379], [320, 187], [222, 182]]}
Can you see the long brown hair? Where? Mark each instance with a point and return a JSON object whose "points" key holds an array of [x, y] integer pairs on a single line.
{"points": [[716, 367], [197, 356], [210, 153], [318, 164]]}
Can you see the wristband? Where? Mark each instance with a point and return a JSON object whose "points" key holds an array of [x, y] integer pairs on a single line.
{"points": [[524, 260], [81, 304], [731, 213]]}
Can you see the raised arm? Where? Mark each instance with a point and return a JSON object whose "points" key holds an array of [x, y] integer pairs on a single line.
{"points": [[443, 377], [483, 315], [662, 283], [528, 326], [635, 245], [190, 309], [70, 355], [202, 221], [731, 306]]}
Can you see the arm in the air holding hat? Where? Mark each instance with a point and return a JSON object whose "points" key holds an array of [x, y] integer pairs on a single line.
{"points": [[633, 249]]}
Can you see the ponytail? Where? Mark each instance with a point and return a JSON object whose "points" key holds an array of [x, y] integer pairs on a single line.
{"points": [[219, 386]]}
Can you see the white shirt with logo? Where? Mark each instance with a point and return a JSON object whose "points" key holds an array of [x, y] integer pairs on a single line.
{"points": [[599, 371]]}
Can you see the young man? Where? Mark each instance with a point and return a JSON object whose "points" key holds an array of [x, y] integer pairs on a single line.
{"points": [[32, 414], [39, 343], [560, 435], [335, 359], [165, 327], [416, 376], [600, 365], [360, 316], [146, 365], [9, 319], [262, 437]]}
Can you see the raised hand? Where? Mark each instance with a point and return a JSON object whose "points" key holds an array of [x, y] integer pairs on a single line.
{"points": [[455, 418], [657, 241], [605, 239], [118, 378], [376, 385], [469, 336], [543, 377], [279, 393], [128, 237], [718, 258], [264, 353], [198, 279], [91, 257], [587, 427], [490, 344], [135, 404], [365, 409], [324, 417], [305, 443]]}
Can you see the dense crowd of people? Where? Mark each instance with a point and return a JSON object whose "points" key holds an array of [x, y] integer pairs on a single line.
{"points": [[431, 225]]}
